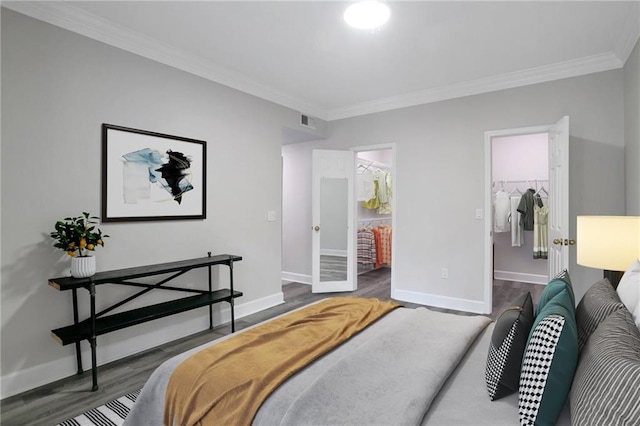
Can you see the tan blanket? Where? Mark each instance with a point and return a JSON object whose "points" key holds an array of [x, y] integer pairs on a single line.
{"points": [[227, 383]]}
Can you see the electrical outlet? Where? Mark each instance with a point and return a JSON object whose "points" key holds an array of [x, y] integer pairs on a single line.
{"points": [[444, 273]]}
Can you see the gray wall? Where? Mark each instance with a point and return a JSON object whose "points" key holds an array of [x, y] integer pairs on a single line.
{"points": [[440, 177], [632, 130], [296, 212], [57, 90]]}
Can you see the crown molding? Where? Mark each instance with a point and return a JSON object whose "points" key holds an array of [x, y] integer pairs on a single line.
{"points": [[630, 34], [74, 19], [71, 18], [573, 68]]}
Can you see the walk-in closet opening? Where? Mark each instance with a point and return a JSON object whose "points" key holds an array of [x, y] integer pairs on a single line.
{"points": [[520, 191], [374, 212]]}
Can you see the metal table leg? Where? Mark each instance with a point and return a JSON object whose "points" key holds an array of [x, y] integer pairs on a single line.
{"points": [[75, 322], [210, 290], [233, 323], [92, 340]]}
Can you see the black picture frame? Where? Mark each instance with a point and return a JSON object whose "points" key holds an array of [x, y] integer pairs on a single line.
{"points": [[150, 176]]}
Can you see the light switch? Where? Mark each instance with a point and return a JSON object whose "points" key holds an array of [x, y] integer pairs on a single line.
{"points": [[271, 215], [478, 214]]}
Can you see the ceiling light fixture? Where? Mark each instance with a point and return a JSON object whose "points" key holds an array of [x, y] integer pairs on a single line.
{"points": [[367, 14]]}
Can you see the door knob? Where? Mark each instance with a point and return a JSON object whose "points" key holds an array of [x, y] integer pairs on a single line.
{"points": [[566, 242], [316, 228]]}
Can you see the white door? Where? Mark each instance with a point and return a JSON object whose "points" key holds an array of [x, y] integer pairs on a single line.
{"points": [[558, 221], [333, 221]]}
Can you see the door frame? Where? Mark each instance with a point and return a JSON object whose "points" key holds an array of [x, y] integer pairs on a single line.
{"points": [[488, 202], [394, 209]]}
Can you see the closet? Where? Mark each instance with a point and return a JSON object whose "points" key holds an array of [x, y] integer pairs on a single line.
{"points": [[374, 210], [520, 191]]}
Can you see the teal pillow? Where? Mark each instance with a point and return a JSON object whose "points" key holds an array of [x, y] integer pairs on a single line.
{"points": [[549, 361], [559, 283], [564, 276]]}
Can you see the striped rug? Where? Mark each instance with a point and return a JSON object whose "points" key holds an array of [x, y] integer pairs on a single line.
{"points": [[112, 413]]}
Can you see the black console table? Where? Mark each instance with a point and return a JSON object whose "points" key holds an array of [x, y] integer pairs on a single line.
{"points": [[100, 323]]}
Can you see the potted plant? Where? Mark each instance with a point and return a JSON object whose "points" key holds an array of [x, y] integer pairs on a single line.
{"points": [[78, 237]]}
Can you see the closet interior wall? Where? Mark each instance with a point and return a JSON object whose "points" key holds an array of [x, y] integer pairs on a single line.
{"points": [[519, 163], [372, 162]]}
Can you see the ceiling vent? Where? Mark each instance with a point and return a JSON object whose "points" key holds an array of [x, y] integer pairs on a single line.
{"points": [[306, 121]]}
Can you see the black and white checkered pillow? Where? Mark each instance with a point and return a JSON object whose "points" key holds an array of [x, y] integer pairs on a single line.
{"points": [[506, 348], [497, 360], [537, 365]]}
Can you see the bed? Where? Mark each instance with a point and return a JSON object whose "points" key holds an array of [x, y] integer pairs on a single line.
{"points": [[409, 366]]}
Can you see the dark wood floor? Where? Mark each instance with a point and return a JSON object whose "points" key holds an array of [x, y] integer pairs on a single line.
{"points": [[64, 399]]}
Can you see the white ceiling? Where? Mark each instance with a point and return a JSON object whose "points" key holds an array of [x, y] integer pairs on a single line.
{"points": [[302, 55]]}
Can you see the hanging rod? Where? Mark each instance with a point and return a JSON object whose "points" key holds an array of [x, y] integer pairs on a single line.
{"points": [[382, 219], [529, 181], [371, 163]]}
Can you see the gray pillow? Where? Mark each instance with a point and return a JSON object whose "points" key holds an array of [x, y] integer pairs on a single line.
{"points": [[507, 345], [607, 381], [600, 301]]}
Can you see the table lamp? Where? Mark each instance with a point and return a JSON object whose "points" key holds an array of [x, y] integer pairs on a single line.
{"points": [[611, 243]]}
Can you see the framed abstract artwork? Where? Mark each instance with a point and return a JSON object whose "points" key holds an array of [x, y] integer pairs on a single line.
{"points": [[152, 176]]}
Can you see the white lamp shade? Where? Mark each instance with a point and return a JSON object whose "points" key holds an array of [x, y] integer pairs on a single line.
{"points": [[608, 242]]}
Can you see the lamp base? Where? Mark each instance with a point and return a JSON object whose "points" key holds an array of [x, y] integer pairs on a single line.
{"points": [[613, 277]]}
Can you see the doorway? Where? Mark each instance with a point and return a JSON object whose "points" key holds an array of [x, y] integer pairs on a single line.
{"points": [[557, 194], [374, 213], [520, 173], [375, 210]]}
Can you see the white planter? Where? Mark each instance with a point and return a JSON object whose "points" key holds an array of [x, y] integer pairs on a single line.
{"points": [[83, 267]]}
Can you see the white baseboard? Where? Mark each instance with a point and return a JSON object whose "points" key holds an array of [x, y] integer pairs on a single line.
{"points": [[32, 377], [466, 305], [296, 278], [521, 277], [332, 252]]}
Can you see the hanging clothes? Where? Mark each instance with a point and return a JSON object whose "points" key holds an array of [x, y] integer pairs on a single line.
{"points": [[501, 212], [540, 232], [384, 194], [517, 231], [365, 189], [381, 177], [378, 242], [373, 203], [366, 247], [528, 199], [385, 208], [379, 198], [385, 244], [382, 237]]}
